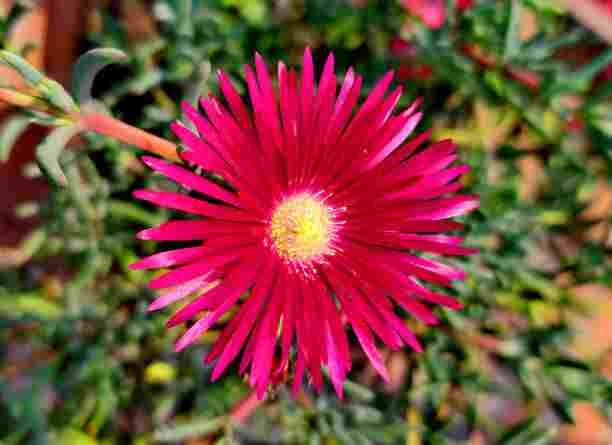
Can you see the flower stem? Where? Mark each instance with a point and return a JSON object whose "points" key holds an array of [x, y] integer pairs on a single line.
{"points": [[109, 126], [99, 123], [246, 407]]}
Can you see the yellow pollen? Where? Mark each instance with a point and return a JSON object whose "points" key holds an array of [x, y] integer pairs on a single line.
{"points": [[301, 228]]}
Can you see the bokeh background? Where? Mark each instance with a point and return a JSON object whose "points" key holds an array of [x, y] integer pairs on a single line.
{"points": [[523, 86]]}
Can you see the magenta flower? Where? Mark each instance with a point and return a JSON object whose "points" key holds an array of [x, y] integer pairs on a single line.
{"points": [[464, 5], [433, 12], [319, 231]]}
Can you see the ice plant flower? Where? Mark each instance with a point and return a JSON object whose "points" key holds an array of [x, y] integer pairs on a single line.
{"points": [[433, 12], [315, 228], [464, 5]]}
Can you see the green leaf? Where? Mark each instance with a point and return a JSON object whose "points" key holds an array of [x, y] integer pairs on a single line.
{"points": [[579, 383], [48, 88], [563, 409], [48, 152], [29, 305], [544, 437], [549, 6], [87, 68], [9, 133], [513, 42], [585, 75], [580, 81], [75, 437], [106, 405], [128, 211], [199, 86], [33, 243], [189, 430], [598, 111], [26, 249], [528, 432], [541, 48], [600, 117], [57, 95], [30, 74], [359, 392], [185, 15]]}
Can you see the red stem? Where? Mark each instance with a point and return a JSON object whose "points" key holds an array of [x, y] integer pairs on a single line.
{"points": [[109, 126]]}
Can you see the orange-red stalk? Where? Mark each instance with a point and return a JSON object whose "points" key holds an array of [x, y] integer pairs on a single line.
{"points": [[109, 126]]}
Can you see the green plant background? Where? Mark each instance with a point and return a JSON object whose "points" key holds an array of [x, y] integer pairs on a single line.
{"points": [[84, 363]]}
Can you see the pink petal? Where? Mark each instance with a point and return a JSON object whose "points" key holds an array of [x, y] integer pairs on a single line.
{"points": [[434, 243], [180, 292], [298, 375], [169, 258], [367, 343], [251, 311], [208, 160], [444, 208], [198, 268], [288, 324], [266, 341], [191, 180], [233, 99], [180, 202], [188, 230], [231, 288], [336, 371], [436, 267], [407, 128]]}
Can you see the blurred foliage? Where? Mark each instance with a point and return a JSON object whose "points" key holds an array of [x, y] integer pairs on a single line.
{"points": [[517, 83]]}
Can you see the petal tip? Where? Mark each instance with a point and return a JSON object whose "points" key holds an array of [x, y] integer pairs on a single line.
{"points": [[417, 347], [152, 307], [137, 265], [180, 345], [150, 161], [144, 235], [142, 194], [172, 321]]}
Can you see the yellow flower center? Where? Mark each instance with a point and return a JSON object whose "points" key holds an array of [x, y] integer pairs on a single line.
{"points": [[301, 228]]}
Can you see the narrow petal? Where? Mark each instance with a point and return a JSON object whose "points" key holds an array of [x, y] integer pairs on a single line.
{"points": [[181, 291], [251, 311], [367, 343], [180, 202], [188, 230], [198, 152], [299, 373], [288, 324], [169, 258], [399, 135], [233, 99], [266, 342], [191, 180], [239, 279], [192, 270]]}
